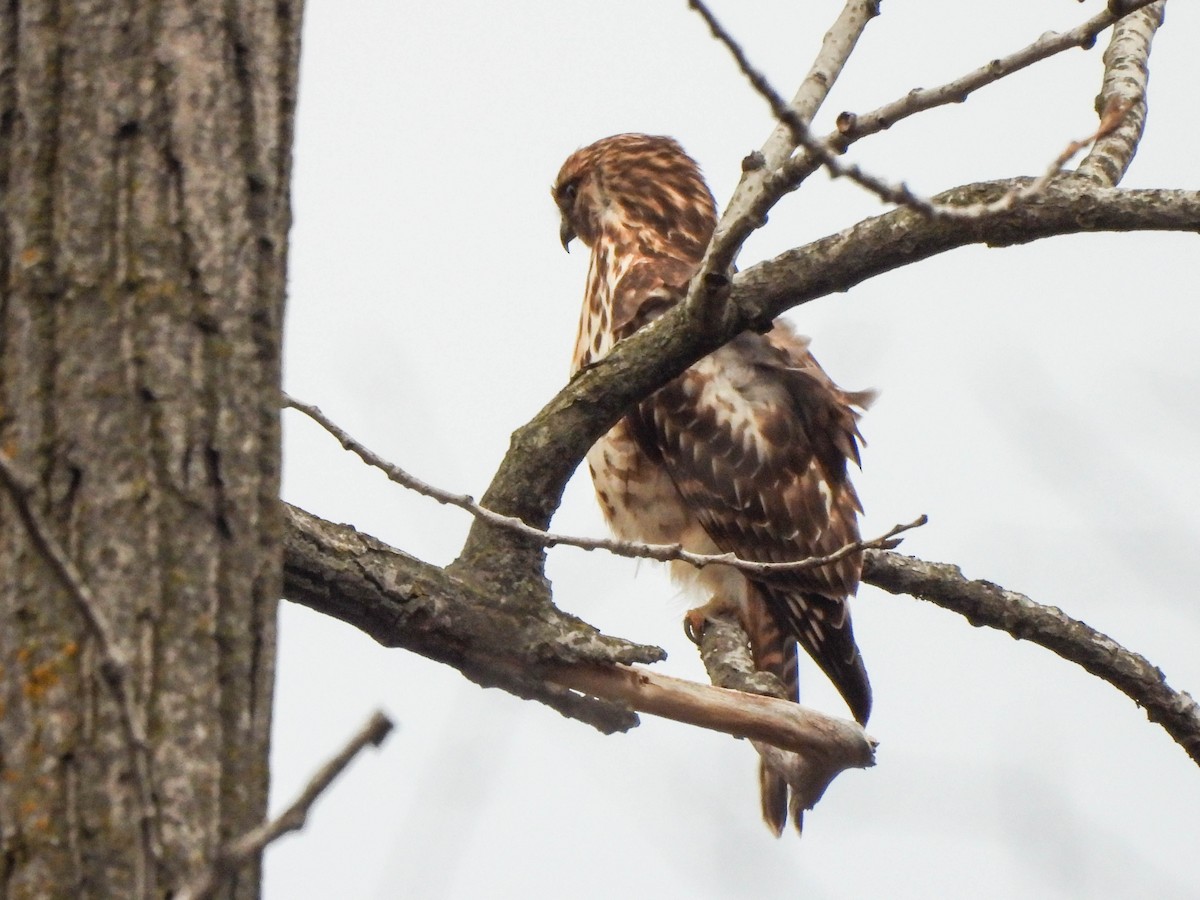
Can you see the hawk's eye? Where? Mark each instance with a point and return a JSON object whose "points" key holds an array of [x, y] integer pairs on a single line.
{"points": [[566, 193]]}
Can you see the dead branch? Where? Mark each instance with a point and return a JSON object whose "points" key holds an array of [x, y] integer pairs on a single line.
{"points": [[780, 723], [250, 846], [984, 603], [809, 748]]}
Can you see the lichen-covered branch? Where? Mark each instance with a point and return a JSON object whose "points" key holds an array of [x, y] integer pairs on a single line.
{"points": [[494, 639], [984, 603], [1126, 77]]}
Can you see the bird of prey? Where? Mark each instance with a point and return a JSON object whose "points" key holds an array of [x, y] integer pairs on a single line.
{"points": [[746, 452]]}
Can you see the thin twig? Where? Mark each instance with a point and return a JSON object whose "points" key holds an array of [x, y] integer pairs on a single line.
{"points": [[853, 127], [250, 845], [629, 549], [115, 669]]}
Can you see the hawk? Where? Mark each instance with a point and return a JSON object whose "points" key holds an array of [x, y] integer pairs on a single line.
{"points": [[746, 452]]}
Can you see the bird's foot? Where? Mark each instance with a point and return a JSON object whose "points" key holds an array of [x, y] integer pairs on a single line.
{"points": [[694, 623]]}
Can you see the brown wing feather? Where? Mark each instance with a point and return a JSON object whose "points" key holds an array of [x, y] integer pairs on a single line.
{"points": [[756, 439]]}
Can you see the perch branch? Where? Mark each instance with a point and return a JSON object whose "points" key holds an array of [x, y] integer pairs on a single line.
{"points": [[402, 602], [984, 603], [239, 852], [114, 666], [629, 549]]}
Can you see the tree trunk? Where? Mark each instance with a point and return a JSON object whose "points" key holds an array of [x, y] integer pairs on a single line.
{"points": [[145, 155]]}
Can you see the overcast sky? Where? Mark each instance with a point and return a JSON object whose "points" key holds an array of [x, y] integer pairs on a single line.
{"points": [[1039, 403]]}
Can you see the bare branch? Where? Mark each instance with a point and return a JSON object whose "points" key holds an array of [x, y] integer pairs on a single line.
{"points": [[823, 152], [115, 669], [1126, 76], [984, 603], [249, 846], [628, 549], [402, 602], [803, 137], [756, 192], [837, 45]]}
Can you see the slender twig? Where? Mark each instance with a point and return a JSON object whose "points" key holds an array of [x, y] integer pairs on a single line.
{"points": [[248, 847], [629, 549], [984, 603], [115, 669], [853, 127]]}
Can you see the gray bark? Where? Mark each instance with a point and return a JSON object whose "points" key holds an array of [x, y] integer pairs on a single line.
{"points": [[144, 164]]}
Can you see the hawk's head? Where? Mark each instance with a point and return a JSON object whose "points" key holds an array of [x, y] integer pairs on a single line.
{"points": [[640, 192]]}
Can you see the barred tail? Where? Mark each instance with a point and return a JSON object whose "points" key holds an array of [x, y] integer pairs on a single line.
{"points": [[774, 651]]}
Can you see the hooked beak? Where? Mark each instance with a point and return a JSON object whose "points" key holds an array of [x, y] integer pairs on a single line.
{"points": [[566, 234]]}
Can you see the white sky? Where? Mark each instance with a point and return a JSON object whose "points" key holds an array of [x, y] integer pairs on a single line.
{"points": [[1039, 403]]}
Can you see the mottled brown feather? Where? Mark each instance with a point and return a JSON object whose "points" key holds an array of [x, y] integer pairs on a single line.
{"points": [[745, 452]]}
